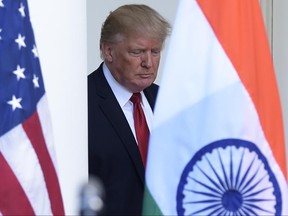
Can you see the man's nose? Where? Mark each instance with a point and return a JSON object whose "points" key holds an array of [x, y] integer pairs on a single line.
{"points": [[147, 60]]}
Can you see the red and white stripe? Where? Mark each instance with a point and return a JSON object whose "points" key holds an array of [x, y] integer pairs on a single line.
{"points": [[29, 181]]}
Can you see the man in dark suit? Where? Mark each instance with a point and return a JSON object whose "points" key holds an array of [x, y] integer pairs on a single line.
{"points": [[132, 38]]}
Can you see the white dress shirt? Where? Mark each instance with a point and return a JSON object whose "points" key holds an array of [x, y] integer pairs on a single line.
{"points": [[123, 97]]}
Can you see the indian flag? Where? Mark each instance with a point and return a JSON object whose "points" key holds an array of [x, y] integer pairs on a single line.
{"points": [[217, 146]]}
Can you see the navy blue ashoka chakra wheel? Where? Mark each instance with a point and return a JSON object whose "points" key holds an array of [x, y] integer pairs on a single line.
{"points": [[228, 177]]}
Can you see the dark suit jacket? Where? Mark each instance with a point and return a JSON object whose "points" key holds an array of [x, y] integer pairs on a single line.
{"points": [[113, 152]]}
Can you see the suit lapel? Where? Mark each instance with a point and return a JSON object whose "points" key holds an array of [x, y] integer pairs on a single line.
{"points": [[150, 93], [114, 113]]}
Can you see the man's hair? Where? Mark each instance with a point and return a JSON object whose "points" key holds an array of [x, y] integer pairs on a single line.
{"points": [[134, 19]]}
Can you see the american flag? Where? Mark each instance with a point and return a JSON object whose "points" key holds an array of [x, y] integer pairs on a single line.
{"points": [[29, 182]]}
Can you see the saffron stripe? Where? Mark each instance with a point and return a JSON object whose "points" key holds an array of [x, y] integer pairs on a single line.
{"points": [[13, 200], [239, 27], [33, 130]]}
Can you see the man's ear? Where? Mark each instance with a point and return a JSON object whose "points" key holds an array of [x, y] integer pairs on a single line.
{"points": [[107, 52]]}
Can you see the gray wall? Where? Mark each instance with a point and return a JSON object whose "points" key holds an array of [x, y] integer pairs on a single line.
{"points": [[280, 55], [275, 16]]}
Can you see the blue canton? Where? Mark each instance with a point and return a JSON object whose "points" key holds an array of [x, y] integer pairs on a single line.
{"points": [[21, 83]]}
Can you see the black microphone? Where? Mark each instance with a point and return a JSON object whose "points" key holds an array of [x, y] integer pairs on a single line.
{"points": [[92, 198]]}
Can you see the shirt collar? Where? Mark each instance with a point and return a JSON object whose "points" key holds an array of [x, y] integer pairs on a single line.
{"points": [[122, 94]]}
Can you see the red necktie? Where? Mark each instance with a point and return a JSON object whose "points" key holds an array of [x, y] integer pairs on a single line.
{"points": [[141, 128]]}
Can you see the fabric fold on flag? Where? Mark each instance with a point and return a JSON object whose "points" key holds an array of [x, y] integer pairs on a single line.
{"points": [[29, 182], [219, 149]]}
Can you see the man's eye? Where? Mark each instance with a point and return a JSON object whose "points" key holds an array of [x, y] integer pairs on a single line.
{"points": [[155, 52], [136, 52]]}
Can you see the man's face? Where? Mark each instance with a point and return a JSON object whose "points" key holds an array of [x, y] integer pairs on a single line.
{"points": [[134, 61]]}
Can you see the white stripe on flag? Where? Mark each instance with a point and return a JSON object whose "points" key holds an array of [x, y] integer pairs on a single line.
{"points": [[44, 117], [183, 68], [22, 157], [191, 42]]}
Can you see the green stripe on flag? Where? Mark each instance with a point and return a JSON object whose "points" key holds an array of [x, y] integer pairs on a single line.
{"points": [[149, 205]]}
